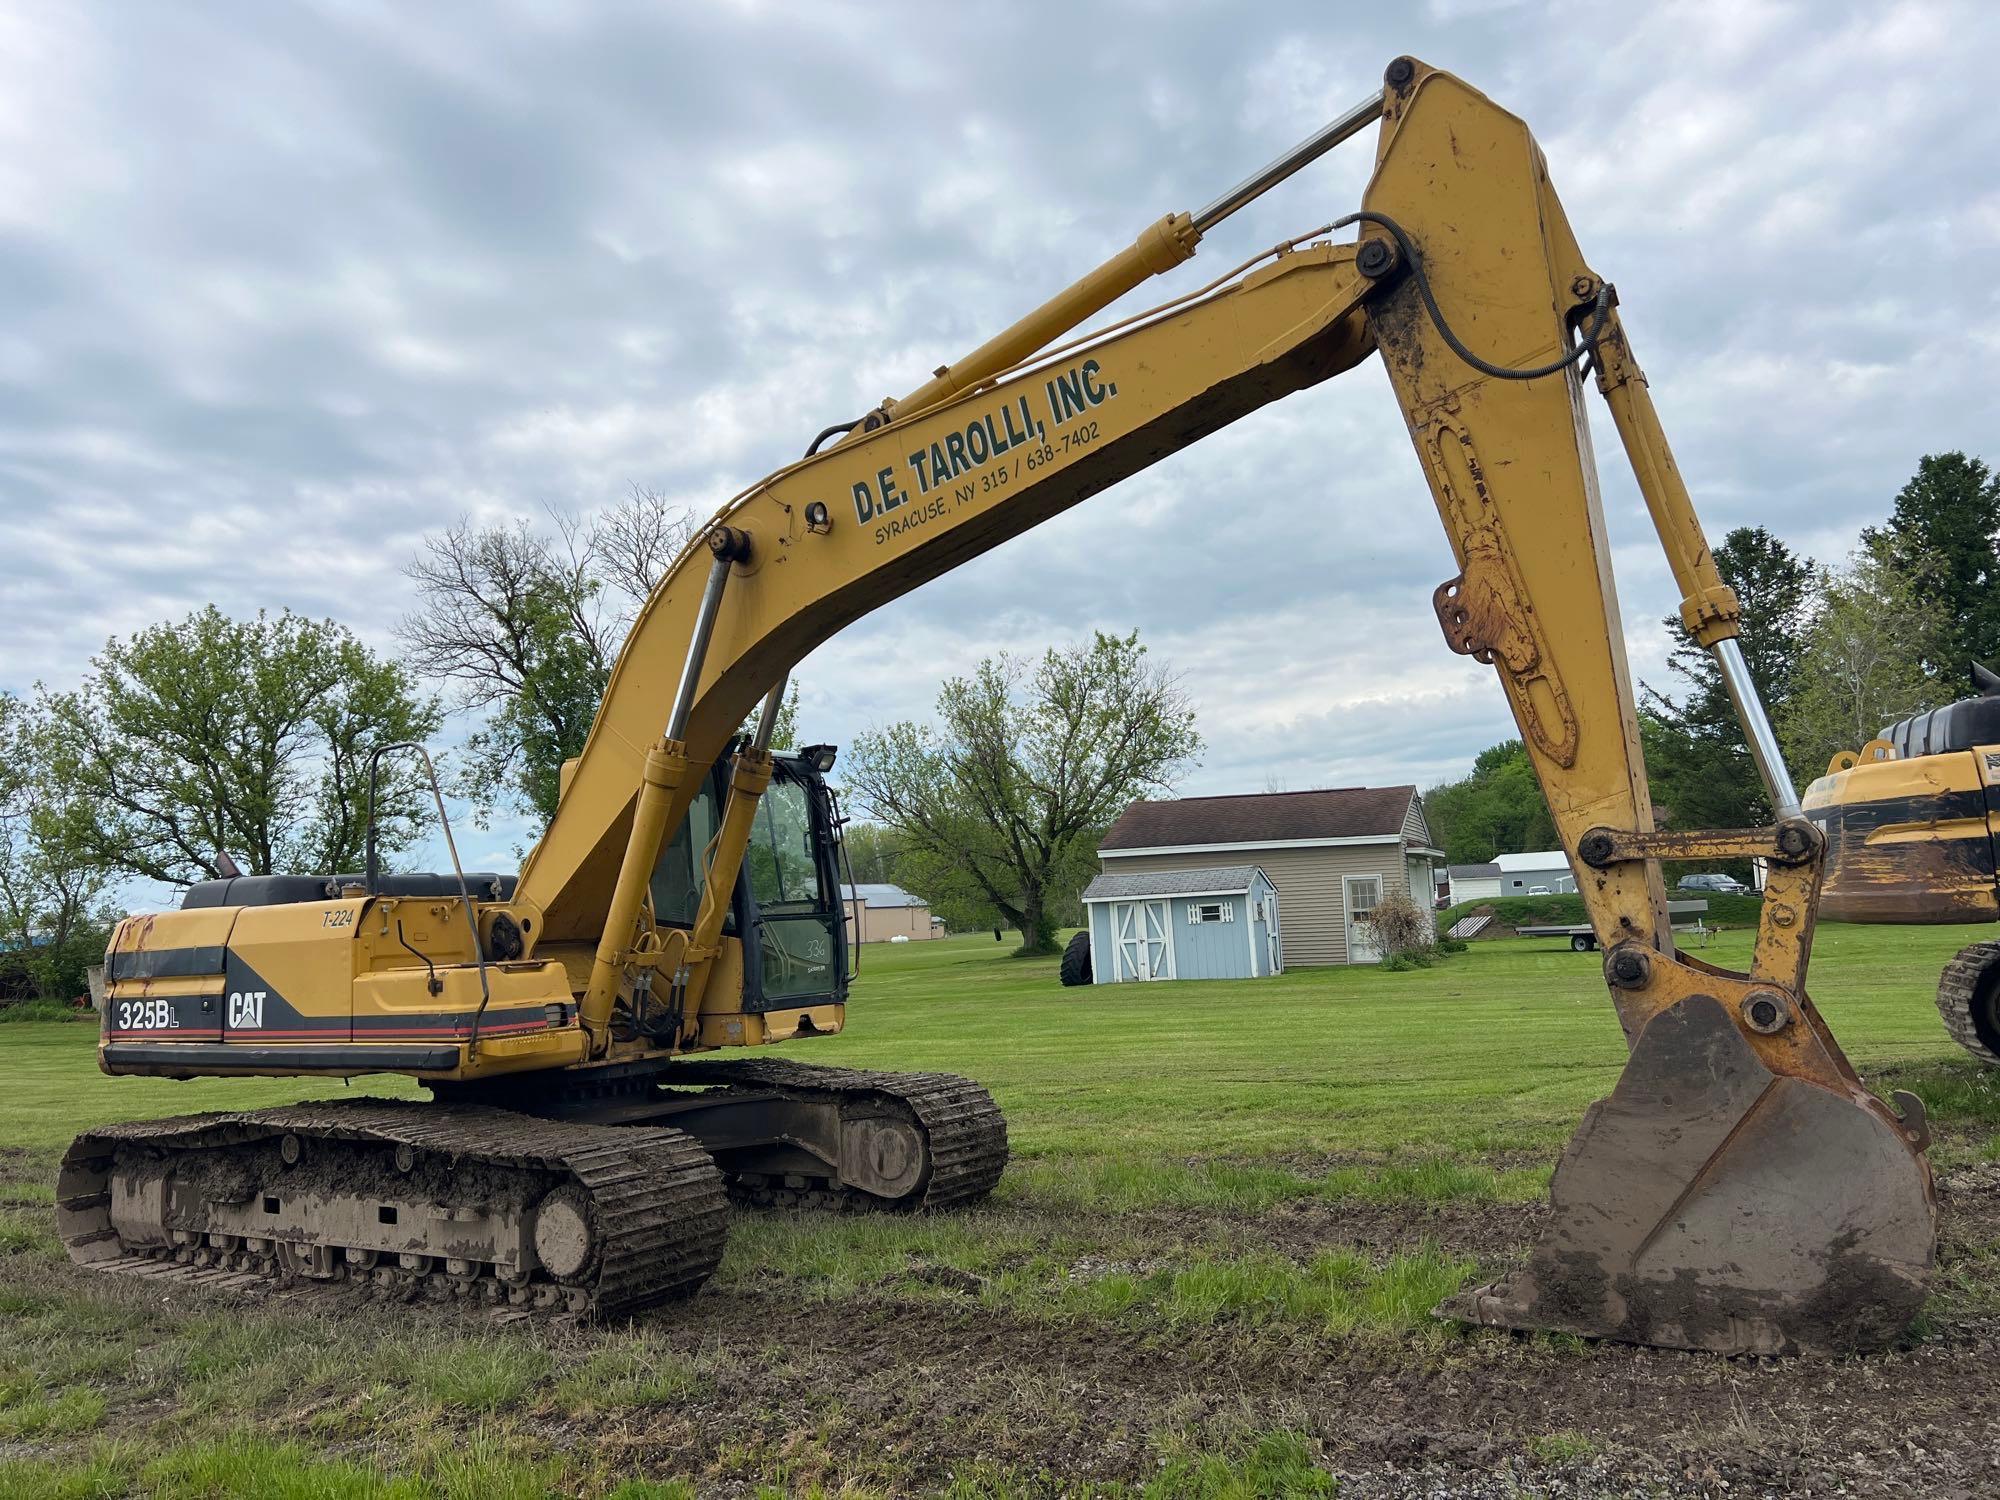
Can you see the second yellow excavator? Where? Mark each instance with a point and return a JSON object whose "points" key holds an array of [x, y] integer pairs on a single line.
{"points": [[1739, 1190], [1910, 823]]}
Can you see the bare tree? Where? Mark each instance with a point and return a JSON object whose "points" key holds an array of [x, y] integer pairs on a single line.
{"points": [[525, 625], [634, 543]]}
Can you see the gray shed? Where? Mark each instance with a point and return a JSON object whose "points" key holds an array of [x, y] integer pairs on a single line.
{"points": [[1213, 922]]}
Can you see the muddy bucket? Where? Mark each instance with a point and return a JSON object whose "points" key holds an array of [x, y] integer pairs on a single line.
{"points": [[1713, 1203]]}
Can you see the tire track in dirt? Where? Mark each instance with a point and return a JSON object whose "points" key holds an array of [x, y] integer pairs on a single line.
{"points": [[909, 1389]]}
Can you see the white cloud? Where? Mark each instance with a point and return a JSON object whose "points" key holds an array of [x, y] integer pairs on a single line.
{"points": [[282, 290]]}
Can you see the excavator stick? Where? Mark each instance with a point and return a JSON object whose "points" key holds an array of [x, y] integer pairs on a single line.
{"points": [[1740, 1190]]}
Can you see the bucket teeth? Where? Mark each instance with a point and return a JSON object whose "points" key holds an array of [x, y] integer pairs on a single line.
{"points": [[1710, 1203]]}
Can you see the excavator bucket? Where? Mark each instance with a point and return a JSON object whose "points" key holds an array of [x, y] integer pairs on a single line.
{"points": [[1711, 1203]]}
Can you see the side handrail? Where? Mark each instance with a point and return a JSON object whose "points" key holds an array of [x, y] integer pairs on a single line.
{"points": [[374, 868]]}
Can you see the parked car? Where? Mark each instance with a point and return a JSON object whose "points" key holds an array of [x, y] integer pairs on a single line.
{"points": [[1723, 885]]}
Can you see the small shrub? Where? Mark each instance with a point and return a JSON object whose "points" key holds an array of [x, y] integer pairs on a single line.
{"points": [[1404, 931]]}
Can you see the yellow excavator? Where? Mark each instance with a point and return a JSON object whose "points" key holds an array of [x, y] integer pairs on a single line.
{"points": [[1909, 824], [1740, 1190]]}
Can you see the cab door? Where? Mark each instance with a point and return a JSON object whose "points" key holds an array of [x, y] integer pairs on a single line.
{"points": [[797, 935]]}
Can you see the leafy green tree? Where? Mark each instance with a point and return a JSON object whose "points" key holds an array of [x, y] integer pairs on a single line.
{"points": [[878, 855], [1865, 661], [54, 918], [875, 854], [956, 896], [247, 737], [998, 805], [1497, 809], [1942, 535], [1696, 759]]}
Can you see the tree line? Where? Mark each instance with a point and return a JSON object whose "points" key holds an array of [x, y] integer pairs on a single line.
{"points": [[209, 745], [1837, 652]]}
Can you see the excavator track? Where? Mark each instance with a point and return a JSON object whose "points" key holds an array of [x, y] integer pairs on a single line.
{"points": [[1965, 999], [964, 1132], [463, 1202]]}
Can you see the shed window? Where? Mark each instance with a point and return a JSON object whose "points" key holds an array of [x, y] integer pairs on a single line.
{"points": [[1210, 911]]}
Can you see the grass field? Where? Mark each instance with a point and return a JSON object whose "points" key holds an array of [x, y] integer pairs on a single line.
{"points": [[1230, 1210]]}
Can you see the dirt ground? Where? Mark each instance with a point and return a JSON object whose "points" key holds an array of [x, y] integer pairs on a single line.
{"points": [[1068, 1401], [942, 1387]]}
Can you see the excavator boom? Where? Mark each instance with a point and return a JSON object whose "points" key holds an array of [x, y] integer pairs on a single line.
{"points": [[1740, 1190]]}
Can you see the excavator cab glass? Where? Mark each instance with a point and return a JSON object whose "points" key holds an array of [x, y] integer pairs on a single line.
{"points": [[793, 892], [679, 876]]}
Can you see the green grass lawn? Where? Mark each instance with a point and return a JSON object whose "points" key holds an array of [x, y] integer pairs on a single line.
{"points": [[1155, 1127], [1496, 1049]]}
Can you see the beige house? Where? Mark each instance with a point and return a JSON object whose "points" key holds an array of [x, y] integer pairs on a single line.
{"points": [[1331, 855], [879, 913]]}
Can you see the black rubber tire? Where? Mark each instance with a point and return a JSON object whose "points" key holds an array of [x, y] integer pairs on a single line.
{"points": [[1076, 960], [1582, 943]]}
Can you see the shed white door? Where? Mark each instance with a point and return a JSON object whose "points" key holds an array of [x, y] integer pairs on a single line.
{"points": [[1362, 892], [1143, 943]]}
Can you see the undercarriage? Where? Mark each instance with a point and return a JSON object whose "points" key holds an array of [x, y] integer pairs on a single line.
{"points": [[612, 1197]]}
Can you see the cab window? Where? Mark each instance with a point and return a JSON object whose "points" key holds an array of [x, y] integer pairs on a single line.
{"points": [[795, 935], [677, 877]]}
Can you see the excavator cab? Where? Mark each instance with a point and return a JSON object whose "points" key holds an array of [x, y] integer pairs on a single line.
{"points": [[786, 907]]}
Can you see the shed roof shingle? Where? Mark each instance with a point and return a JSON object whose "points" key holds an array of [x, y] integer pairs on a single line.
{"points": [[1211, 880], [1263, 818]]}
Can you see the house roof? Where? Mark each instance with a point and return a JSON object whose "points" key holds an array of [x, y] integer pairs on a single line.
{"points": [[1211, 880], [873, 893], [1537, 859], [1472, 872], [1351, 812]]}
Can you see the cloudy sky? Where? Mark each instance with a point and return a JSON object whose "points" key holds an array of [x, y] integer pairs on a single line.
{"points": [[284, 286]]}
